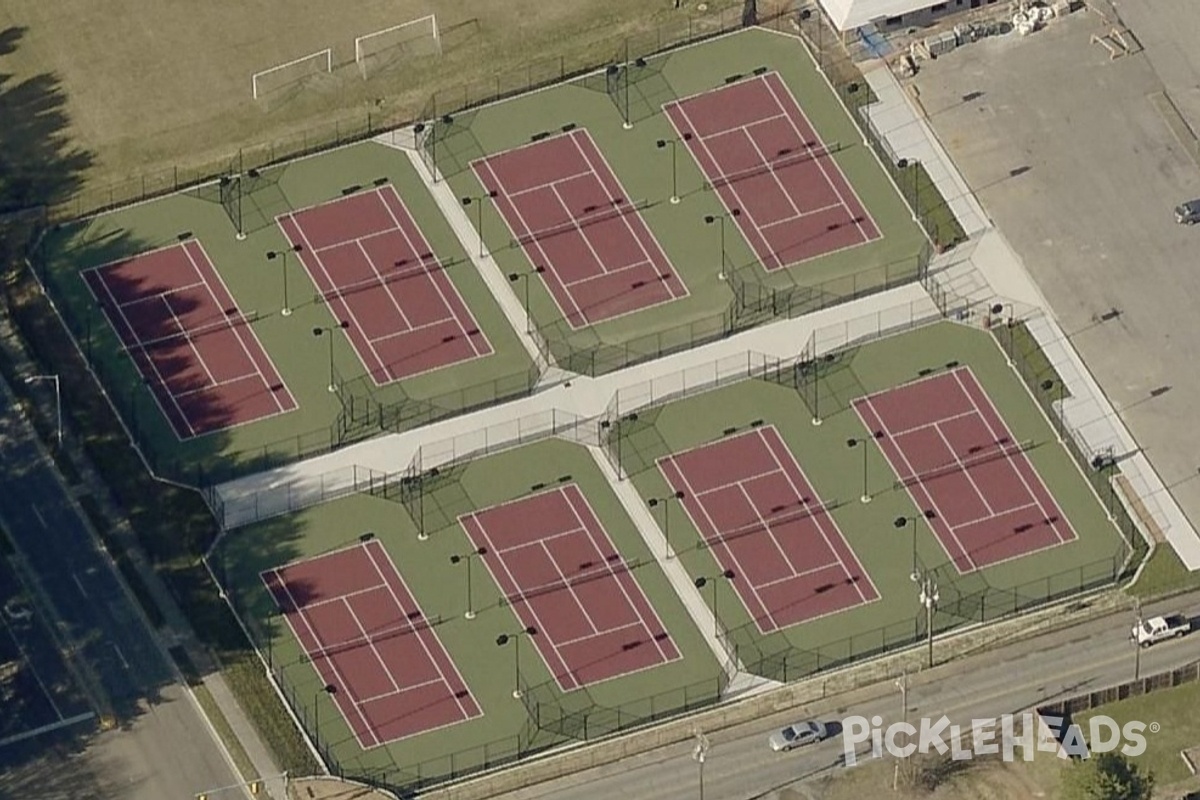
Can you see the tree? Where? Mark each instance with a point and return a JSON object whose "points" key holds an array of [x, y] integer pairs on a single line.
{"points": [[1107, 776]]}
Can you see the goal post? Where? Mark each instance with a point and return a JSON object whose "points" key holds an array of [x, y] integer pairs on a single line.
{"points": [[386, 49], [283, 76]]}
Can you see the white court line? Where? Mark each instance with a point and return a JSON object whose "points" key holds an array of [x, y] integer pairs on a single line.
{"points": [[526, 606], [401, 690], [716, 540], [420, 632], [426, 248], [590, 278], [770, 165], [414, 329], [592, 538], [550, 184], [237, 330], [966, 471], [801, 215], [191, 343], [299, 611], [217, 385], [568, 642], [537, 542], [531, 239], [808, 124], [766, 528], [924, 426], [741, 127], [795, 575], [914, 482], [337, 292], [161, 380], [1006, 511], [369, 641], [622, 213], [516, 501], [381, 282], [340, 597], [1012, 457], [570, 587], [820, 517], [579, 229]]}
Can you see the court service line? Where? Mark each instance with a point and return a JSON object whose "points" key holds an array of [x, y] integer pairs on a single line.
{"points": [[717, 540], [803, 574], [766, 528], [401, 690], [991, 407], [227, 382], [916, 482], [570, 587], [138, 339], [532, 239], [772, 170], [966, 471], [590, 278], [808, 124], [420, 633], [592, 538], [515, 584], [732, 186], [575, 223], [1012, 510], [429, 275], [818, 523], [337, 291], [801, 215], [299, 611], [369, 641], [624, 215], [382, 283], [924, 426], [183, 334], [242, 318], [551, 183]]}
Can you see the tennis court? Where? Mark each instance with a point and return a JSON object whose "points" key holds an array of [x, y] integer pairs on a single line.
{"points": [[375, 651], [560, 571], [957, 458], [580, 230], [763, 521], [779, 182], [187, 337], [375, 270]]}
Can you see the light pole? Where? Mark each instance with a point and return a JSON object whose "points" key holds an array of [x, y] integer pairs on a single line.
{"points": [[1060, 421], [671, 143], [701, 582], [328, 331], [720, 218], [655, 502], [468, 558], [515, 638], [929, 599], [615, 427], [902, 685], [902, 522], [856, 441], [421, 127], [699, 753], [478, 203], [910, 165], [1137, 647], [513, 277], [281, 255], [57, 401]]}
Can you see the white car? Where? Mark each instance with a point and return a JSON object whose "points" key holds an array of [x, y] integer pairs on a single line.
{"points": [[798, 735]]}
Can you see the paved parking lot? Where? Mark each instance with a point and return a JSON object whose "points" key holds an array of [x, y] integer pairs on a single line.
{"points": [[1070, 157]]}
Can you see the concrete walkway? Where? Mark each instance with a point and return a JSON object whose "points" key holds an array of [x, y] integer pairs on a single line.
{"points": [[988, 265]]}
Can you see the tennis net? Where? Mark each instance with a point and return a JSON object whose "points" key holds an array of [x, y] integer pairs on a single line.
{"points": [[796, 511], [405, 627], [398, 274], [224, 321], [590, 216], [781, 161], [997, 450]]}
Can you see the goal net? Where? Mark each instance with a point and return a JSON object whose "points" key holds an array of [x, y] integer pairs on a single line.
{"points": [[292, 75], [393, 47]]}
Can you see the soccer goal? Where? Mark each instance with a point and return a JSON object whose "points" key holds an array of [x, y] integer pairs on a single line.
{"points": [[285, 76], [391, 47]]}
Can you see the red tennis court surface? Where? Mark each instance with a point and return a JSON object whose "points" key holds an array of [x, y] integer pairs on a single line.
{"points": [[757, 148], [371, 263], [367, 638], [562, 575], [954, 453], [751, 502], [195, 350], [562, 202]]}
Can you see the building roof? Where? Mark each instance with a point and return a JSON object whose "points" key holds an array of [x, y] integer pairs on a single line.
{"points": [[847, 15]]}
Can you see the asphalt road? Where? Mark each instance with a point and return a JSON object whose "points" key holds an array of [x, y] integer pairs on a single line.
{"points": [[164, 747], [1017, 677]]}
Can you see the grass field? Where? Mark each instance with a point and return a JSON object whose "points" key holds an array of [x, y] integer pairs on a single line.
{"points": [[836, 473], [504, 729], [256, 284], [152, 87], [645, 172]]}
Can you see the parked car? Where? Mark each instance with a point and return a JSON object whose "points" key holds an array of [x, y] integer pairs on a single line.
{"points": [[798, 735], [1157, 629], [1188, 213]]}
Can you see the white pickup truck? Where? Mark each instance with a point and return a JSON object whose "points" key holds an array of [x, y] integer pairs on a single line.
{"points": [[1156, 629]]}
